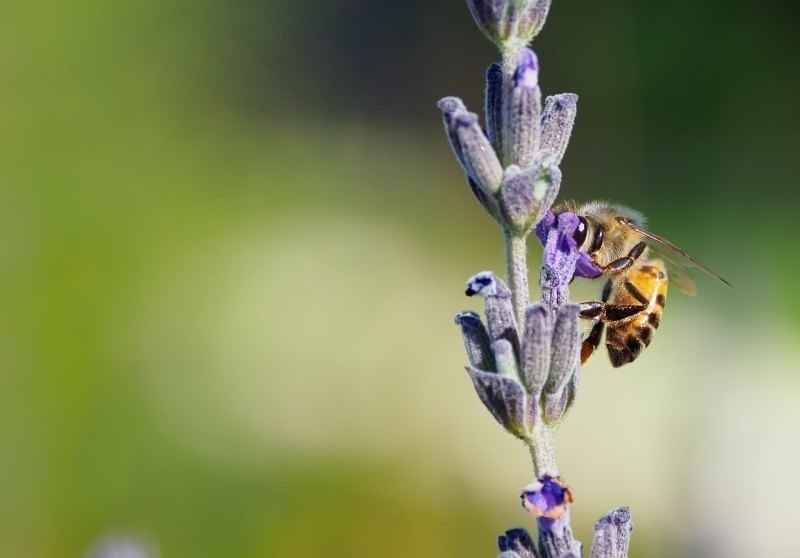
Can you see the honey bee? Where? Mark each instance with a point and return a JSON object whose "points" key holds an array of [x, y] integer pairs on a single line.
{"points": [[638, 265]]}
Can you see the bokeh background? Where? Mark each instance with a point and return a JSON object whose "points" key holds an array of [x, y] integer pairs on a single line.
{"points": [[234, 240]]}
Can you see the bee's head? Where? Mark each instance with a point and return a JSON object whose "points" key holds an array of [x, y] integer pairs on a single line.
{"points": [[587, 234]]}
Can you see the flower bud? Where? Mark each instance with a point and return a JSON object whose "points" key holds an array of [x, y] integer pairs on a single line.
{"points": [[526, 195], [566, 348], [522, 112], [494, 105], [518, 542], [506, 359], [503, 397], [535, 358], [509, 21], [476, 341], [612, 534], [499, 310], [558, 119], [470, 145], [532, 19]]}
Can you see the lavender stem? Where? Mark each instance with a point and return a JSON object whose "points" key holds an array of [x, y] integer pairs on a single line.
{"points": [[516, 250], [542, 448]]}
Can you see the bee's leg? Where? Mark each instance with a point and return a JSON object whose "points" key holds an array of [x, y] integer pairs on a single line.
{"points": [[601, 310], [619, 312], [621, 264], [592, 341], [593, 310]]}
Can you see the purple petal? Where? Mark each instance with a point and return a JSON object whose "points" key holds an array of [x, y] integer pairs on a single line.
{"points": [[526, 74], [547, 498], [561, 251], [586, 267]]}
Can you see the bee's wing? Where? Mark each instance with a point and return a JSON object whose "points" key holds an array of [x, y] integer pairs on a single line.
{"points": [[677, 259], [676, 270]]}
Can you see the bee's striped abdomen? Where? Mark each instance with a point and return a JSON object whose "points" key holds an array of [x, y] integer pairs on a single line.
{"points": [[626, 339]]}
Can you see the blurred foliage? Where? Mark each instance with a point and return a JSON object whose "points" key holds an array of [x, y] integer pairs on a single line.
{"points": [[234, 239]]}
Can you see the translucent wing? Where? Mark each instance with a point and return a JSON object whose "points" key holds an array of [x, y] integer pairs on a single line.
{"points": [[677, 259]]}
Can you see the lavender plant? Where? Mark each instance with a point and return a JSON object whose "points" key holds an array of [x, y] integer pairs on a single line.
{"points": [[524, 361]]}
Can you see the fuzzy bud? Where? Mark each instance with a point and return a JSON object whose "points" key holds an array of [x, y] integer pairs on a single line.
{"points": [[558, 118], [522, 112], [476, 341], [504, 398], [499, 310], [612, 534], [509, 21], [470, 145], [525, 196], [518, 542], [494, 105]]}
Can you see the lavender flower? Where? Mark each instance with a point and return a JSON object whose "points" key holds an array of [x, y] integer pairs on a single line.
{"points": [[527, 382], [524, 359], [546, 498]]}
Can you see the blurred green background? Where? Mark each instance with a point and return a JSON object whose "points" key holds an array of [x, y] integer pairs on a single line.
{"points": [[234, 240]]}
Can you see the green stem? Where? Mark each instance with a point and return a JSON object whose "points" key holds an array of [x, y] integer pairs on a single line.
{"points": [[542, 448], [517, 273]]}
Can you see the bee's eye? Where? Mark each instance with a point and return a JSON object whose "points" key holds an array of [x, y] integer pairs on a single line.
{"points": [[580, 232], [598, 239]]}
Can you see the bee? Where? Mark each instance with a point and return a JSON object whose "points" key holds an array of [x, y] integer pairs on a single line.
{"points": [[638, 265]]}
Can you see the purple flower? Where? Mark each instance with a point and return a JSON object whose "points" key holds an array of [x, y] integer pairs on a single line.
{"points": [[526, 74], [561, 251], [546, 498]]}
